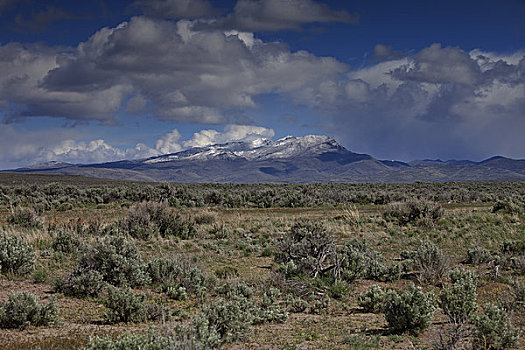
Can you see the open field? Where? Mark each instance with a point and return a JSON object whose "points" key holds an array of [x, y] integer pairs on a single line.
{"points": [[259, 266]]}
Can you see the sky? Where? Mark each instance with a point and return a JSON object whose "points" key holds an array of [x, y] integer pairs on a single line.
{"points": [[96, 81]]}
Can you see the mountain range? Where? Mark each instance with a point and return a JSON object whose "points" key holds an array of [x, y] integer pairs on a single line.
{"points": [[291, 159]]}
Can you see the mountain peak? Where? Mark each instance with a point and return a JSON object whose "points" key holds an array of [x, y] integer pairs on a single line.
{"points": [[494, 158], [258, 149], [310, 158]]}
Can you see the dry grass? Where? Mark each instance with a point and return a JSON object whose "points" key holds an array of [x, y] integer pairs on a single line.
{"points": [[249, 230]]}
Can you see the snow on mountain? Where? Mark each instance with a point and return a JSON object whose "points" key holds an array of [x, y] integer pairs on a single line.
{"points": [[258, 149]]}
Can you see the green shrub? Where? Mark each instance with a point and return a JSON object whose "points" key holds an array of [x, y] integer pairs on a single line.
{"points": [[40, 276], [478, 255], [227, 272], [296, 305], [235, 288], [225, 321], [338, 289], [429, 261], [81, 283], [175, 292], [124, 306], [288, 269], [118, 260], [16, 256], [518, 263], [357, 260], [178, 277], [267, 252], [229, 319], [25, 217], [309, 247], [508, 207], [66, 242], [270, 310], [148, 219], [412, 310], [458, 301], [320, 304], [372, 300], [205, 219], [518, 289], [509, 247], [150, 341], [219, 232], [421, 212], [493, 329], [23, 309]]}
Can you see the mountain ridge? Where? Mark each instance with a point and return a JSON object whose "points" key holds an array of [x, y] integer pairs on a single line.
{"points": [[307, 159]]}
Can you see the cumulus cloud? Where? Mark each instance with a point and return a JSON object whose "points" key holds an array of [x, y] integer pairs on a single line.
{"points": [[95, 151], [22, 148], [230, 133], [275, 15], [176, 9], [170, 70], [441, 102], [438, 65], [23, 68], [169, 143]]}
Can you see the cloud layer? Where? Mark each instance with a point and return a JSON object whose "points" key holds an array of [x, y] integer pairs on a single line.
{"points": [[275, 15], [26, 148], [183, 62], [440, 102], [177, 9], [174, 73]]}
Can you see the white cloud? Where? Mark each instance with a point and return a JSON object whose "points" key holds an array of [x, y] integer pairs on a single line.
{"points": [[230, 133], [169, 143], [486, 59], [380, 74], [22, 148], [168, 70], [95, 151], [440, 102], [357, 90]]}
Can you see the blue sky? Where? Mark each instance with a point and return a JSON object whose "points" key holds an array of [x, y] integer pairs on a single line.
{"points": [[103, 80]]}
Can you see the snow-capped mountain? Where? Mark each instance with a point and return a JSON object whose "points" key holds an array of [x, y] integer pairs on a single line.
{"points": [[291, 159], [258, 149]]}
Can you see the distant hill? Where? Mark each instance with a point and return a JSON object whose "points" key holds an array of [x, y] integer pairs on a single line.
{"points": [[291, 159]]}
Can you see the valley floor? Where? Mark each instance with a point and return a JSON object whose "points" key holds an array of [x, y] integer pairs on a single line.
{"points": [[240, 245]]}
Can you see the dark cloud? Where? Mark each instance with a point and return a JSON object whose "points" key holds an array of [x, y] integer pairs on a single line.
{"points": [[39, 21], [177, 9], [22, 68], [275, 15], [384, 52], [176, 72], [442, 102], [438, 65]]}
